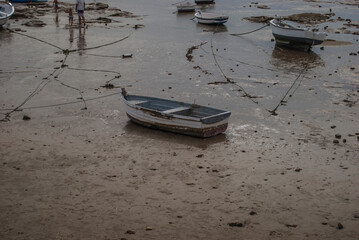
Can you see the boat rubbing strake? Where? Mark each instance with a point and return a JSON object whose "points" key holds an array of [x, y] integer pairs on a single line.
{"points": [[174, 116]]}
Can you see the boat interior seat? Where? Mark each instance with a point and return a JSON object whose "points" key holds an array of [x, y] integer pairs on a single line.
{"points": [[178, 109], [138, 102]]}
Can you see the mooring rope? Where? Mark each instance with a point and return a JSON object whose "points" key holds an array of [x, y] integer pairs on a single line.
{"points": [[241, 34], [38, 39], [100, 46], [229, 80], [300, 76], [38, 89], [62, 104]]}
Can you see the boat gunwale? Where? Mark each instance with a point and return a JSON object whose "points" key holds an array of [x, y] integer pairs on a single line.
{"points": [[215, 16], [7, 15], [205, 120], [292, 28]]}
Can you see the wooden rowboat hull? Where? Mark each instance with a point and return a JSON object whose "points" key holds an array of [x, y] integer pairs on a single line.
{"points": [[174, 116], [195, 132]]}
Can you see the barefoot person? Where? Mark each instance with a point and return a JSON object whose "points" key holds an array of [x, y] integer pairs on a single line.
{"points": [[71, 17], [56, 5], [80, 8]]}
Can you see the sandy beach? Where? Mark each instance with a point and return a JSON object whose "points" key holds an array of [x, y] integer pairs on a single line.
{"points": [[73, 166]]}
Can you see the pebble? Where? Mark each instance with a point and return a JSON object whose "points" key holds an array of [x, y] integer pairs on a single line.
{"points": [[340, 226], [236, 224], [26, 118]]}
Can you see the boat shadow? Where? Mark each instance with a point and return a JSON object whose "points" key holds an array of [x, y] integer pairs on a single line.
{"points": [[287, 58], [216, 28], [132, 128]]}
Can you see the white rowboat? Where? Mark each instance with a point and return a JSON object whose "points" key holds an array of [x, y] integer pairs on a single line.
{"points": [[210, 18], [174, 116], [285, 32], [186, 7], [6, 10]]}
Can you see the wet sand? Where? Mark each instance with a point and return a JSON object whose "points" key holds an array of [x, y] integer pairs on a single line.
{"points": [[73, 166]]}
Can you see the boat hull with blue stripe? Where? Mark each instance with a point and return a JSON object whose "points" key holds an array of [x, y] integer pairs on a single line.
{"points": [[210, 18], [174, 116]]}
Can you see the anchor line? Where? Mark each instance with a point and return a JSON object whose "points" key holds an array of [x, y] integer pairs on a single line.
{"points": [[229, 80], [241, 34], [40, 40], [300, 76], [62, 104], [46, 80], [100, 46], [37, 90]]}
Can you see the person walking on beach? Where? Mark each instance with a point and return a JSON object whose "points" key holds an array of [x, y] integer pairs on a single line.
{"points": [[71, 17], [56, 5], [80, 8]]}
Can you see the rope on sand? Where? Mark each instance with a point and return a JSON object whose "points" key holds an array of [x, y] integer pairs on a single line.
{"points": [[67, 103], [25, 35], [230, 81], [100, 46], [300, 76], [241, 34]]}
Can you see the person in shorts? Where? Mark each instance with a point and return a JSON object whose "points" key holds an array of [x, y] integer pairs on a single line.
{"points": [[80, 8], [71, 17]]}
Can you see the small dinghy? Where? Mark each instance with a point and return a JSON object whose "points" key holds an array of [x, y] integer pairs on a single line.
{"points": [[186, 7], [174, 116], [210, 18], [286, 33], [6, 10]]}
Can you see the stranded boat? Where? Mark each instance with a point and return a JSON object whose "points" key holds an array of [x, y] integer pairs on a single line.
{"points": [[174, 116], [286, 33], [6, 10], [210, 18], [186, 7]]}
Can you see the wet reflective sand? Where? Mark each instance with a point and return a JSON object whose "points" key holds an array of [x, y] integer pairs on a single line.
{"points": [[76, 168]]}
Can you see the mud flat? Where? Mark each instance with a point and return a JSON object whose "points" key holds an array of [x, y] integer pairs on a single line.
{"points": [[72, 166]]}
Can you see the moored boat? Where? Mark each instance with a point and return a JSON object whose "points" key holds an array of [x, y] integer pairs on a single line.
{"points": [[185, 7], [286, 33], [210, 18], [175, 116], [6, 10]]}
